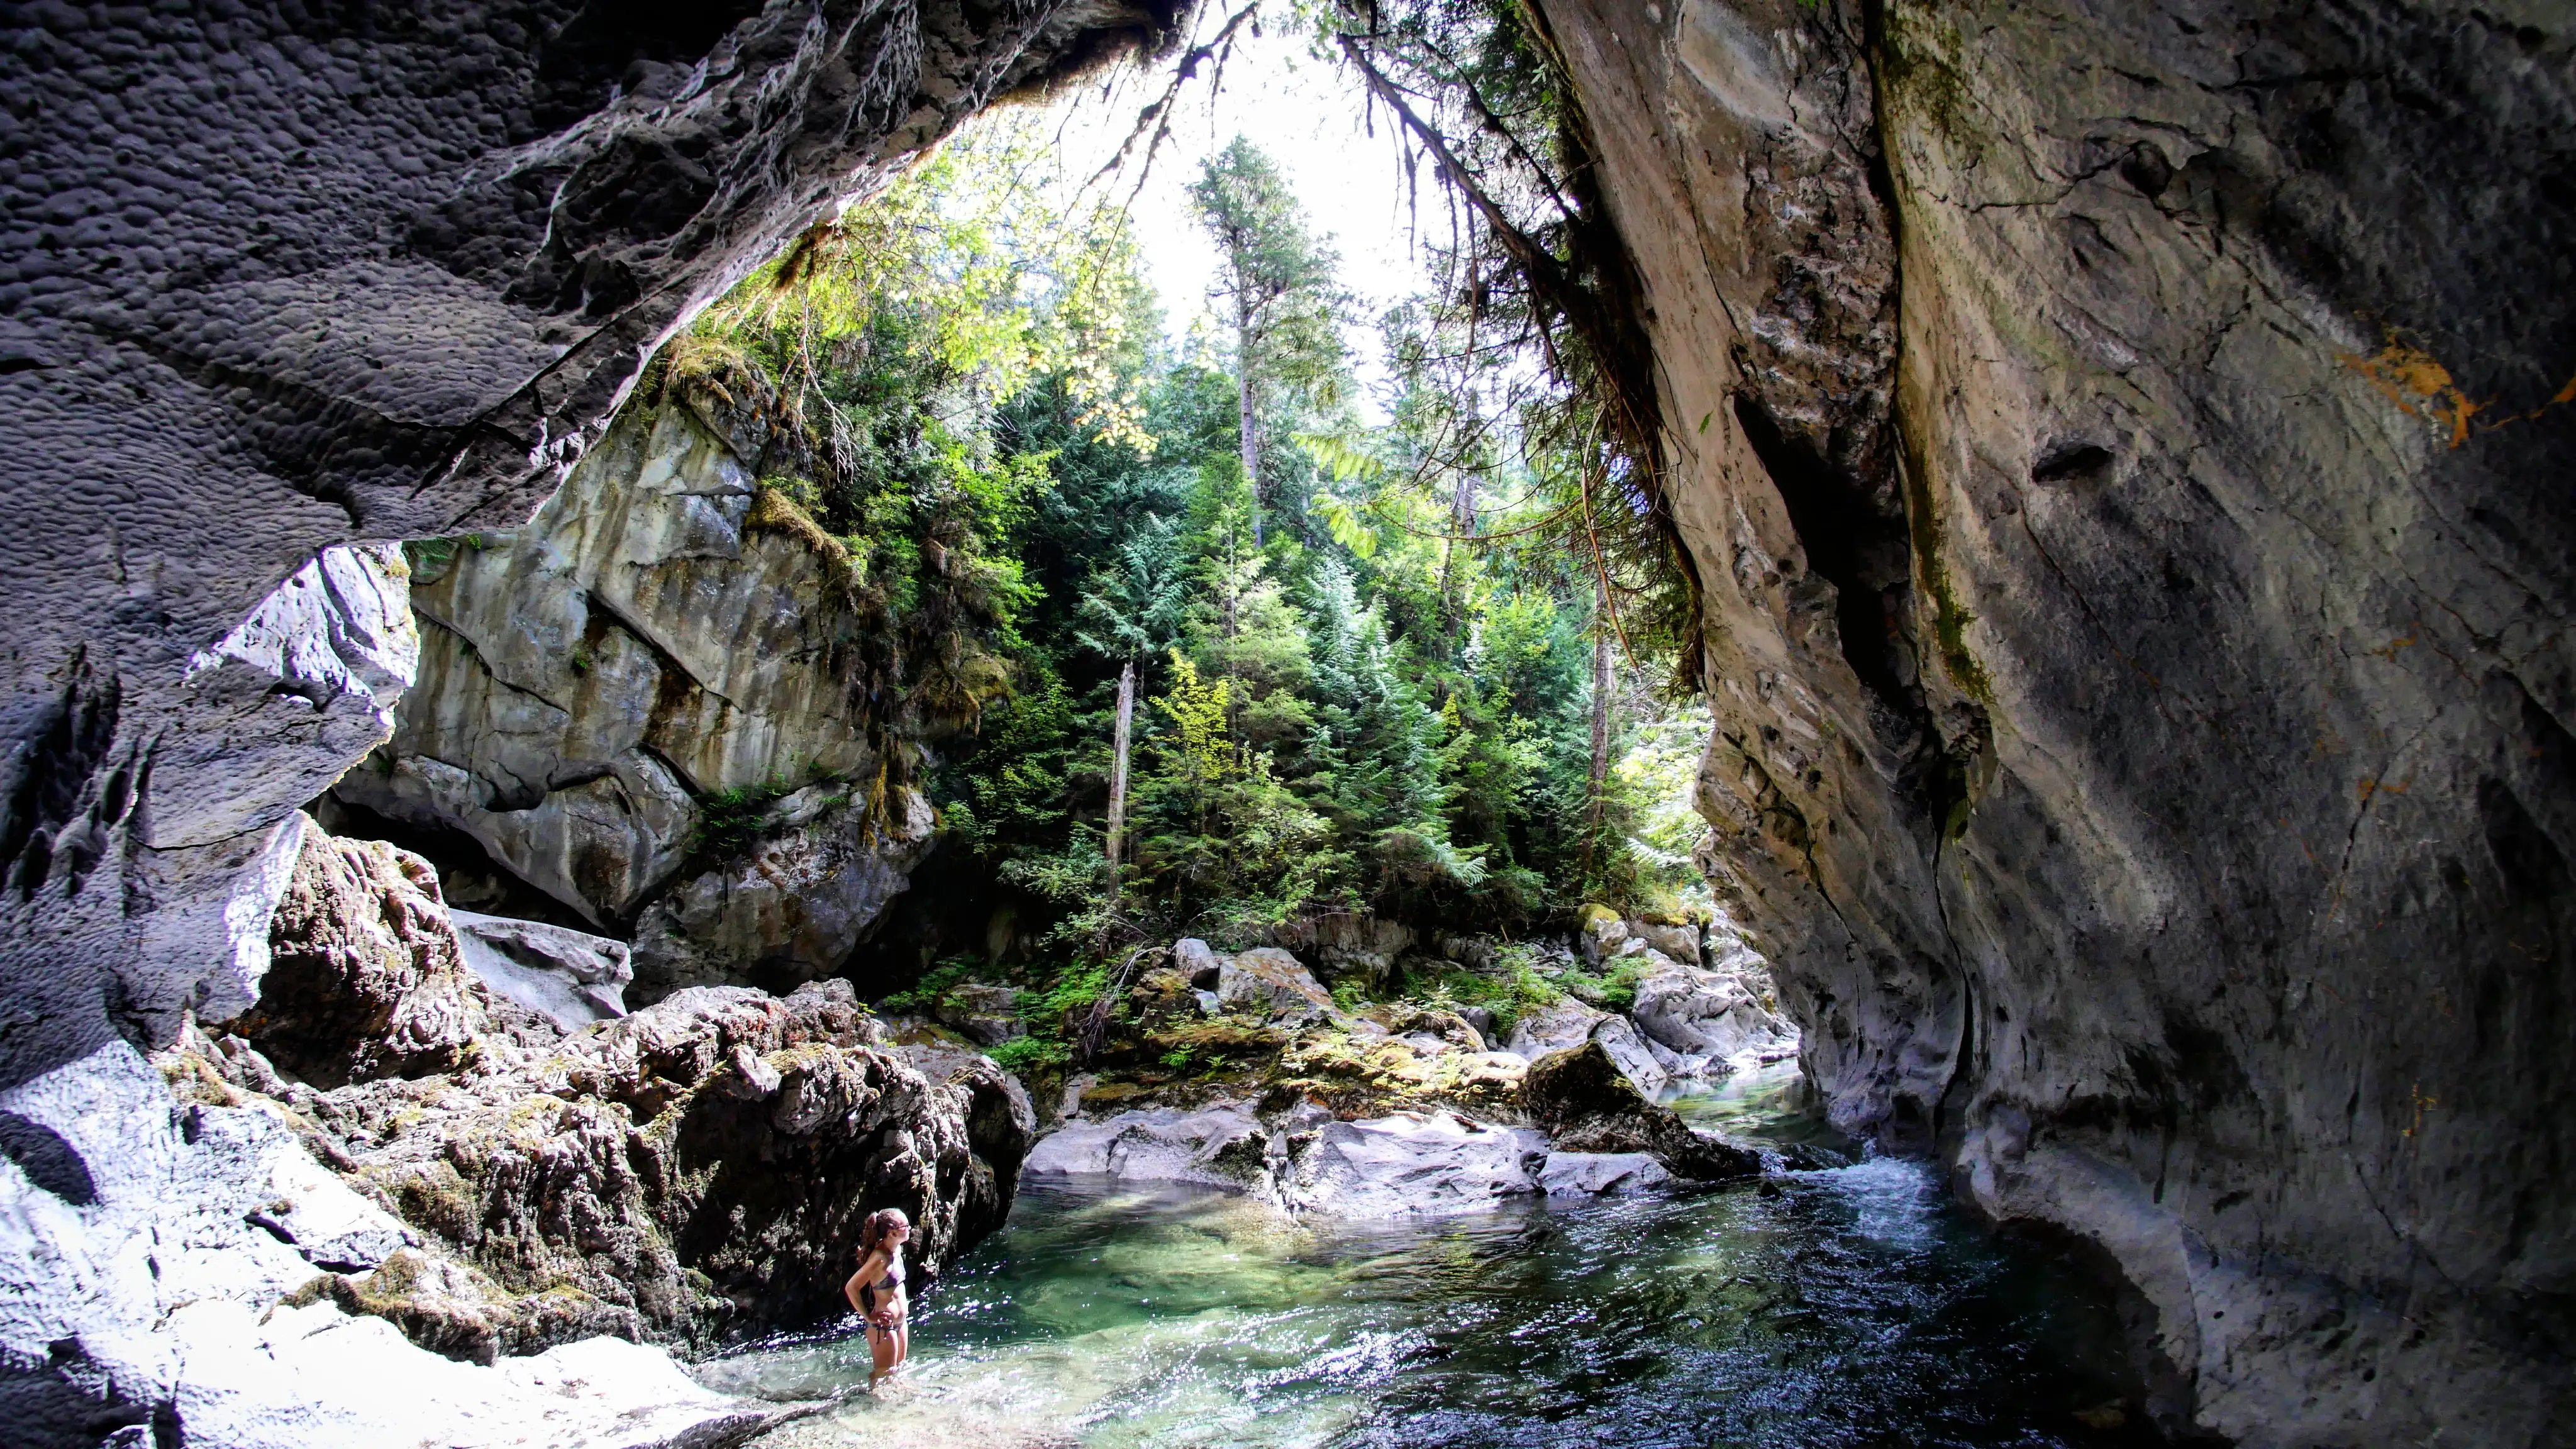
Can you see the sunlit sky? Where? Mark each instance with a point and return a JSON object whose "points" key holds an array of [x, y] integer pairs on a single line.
{"points": [[1307, 114]]}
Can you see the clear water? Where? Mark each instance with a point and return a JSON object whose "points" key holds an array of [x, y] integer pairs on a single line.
{"points": [[1851, 1306]]}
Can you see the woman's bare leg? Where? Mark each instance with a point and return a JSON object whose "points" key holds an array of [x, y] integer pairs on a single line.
{"points": [[885, 1350]]}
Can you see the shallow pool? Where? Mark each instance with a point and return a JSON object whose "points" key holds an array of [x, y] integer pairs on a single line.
{"points": [[1843, 1306]]}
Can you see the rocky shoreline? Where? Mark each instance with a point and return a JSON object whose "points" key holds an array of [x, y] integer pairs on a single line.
{"points": [[435, 1152]]}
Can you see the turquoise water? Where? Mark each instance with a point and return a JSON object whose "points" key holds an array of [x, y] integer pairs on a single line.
{"points": [[1845, 1306]]}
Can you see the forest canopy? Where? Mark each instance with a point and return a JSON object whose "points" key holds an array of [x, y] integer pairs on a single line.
{"points": [[1373, 653]]}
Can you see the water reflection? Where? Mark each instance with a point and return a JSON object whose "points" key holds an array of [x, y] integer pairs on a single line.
{"points": [[1842, 1306]]}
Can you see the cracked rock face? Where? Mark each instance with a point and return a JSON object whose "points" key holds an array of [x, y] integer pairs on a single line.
{"points": [[2140, 658], [600, 688]]}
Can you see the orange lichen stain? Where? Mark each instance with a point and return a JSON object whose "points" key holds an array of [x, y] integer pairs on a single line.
{"points": [[2370, 787], [2421, 387], [2422, 1102], [2419, 384], [2388, 651]]}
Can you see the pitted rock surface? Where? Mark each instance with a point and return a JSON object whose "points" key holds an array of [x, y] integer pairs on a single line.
{"points": [[280, 279], [2144, 755]]}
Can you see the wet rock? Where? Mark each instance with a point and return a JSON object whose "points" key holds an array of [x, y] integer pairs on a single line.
{"points": [[1215, 1147], [1587, 1104], [1413, 1163], [570, 977], [1590, 1174]]}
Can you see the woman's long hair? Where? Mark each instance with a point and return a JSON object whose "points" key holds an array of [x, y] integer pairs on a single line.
{"points": [[873, 1231]]}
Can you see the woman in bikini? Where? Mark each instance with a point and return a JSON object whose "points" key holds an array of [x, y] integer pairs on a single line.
{"points": [[876, 1290]]}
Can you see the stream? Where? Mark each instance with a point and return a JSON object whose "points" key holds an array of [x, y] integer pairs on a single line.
{"points": [[1848, 1306]]}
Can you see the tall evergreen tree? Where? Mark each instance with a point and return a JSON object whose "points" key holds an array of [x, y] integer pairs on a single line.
{"points": [[1279, 279]]}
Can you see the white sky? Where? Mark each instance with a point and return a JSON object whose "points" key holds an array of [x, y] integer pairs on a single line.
{"points": [[1307, 115]]}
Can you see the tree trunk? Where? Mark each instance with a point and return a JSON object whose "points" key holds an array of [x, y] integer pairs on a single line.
{"points": [[1462, 526], [1598, 810], [1118, 769], [1243, 402]]}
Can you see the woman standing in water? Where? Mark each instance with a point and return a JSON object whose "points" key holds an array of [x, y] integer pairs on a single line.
{"points": [[876, 1291]]}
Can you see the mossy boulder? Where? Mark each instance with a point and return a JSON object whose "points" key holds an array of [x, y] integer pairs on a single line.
{"points": [[1587, 1104]]}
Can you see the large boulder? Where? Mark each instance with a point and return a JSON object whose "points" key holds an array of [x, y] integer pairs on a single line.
{"points": [[794, 903], [1709, 1019], [365, 975], [1555, 1027], [1411, 1163], [692, 1173], [1347, 943], [640, 704], [1587, 1104], [1273, 983], [1215, 1147], [572, 978]]}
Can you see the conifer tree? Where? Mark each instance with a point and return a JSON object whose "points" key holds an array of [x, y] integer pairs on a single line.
{"points": [[1279, 279]]}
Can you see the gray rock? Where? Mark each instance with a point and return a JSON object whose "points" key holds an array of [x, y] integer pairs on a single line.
{"points": [[569, 976], [1590, 1174], [793, 908], [340, 322], [1712, 1021], [986, 1015], [1218, 1147], [1192, 958], [1681, 943], [1347, 943], [1628, 1050], [1413, 1163], [595, 682], [1562, 1023], [1269, 980]]}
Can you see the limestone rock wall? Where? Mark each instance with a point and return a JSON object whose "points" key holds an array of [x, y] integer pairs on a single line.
{"points": [[2169, 822], [652, 657]]}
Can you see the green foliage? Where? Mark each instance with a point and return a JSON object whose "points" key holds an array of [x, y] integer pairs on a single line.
{"points": [[1510, 989], [1381, 702], [1030, 1054], [729, 819], [924, 996]]}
